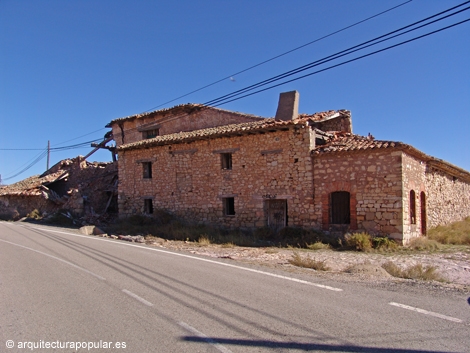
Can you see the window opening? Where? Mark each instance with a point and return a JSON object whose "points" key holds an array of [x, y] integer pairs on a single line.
{"points": [[340, 207], [148, 206], [423, 214], [150, 134], [412, 207], [229, 206], [226, 160], [147, 170]]}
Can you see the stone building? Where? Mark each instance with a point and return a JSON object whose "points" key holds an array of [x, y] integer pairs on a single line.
{"points": [[224, 168]]}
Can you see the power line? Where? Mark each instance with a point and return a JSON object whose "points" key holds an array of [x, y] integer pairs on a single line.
{"points": [[231, 97], [223, 99], [38, 159], [348, 61], [280, 55]]}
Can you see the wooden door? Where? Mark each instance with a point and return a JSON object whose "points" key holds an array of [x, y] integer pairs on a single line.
{"points": [[276, 213]]}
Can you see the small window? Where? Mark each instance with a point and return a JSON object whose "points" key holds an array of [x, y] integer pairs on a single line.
{"points": [[148, 206], [147, 170], [226, 160], [412, 207], [150, 134], [339, 207], [229, 206]]}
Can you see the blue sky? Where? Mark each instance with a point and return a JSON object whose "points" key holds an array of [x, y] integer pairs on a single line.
{"points": [[67, 68]]}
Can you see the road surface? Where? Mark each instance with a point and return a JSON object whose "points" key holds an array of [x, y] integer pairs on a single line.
{"points": [[65, 292]]}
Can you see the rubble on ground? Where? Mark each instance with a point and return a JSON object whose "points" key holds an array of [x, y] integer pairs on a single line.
{"points": [[85, 192]]}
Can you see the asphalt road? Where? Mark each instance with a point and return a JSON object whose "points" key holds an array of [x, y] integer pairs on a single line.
{"points": [[60, 288]]}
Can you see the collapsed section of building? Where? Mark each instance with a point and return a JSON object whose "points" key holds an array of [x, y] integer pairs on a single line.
{"points": [[213, 166], [83, 188]]}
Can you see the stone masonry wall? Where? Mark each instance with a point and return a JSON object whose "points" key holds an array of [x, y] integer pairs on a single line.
{"points": [[128, 131], [448, 198], [414, 223], [373, 179], [187, 179]]}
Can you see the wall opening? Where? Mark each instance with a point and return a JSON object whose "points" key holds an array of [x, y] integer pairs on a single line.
{"points": [[423, 213], [276, 212], [150, 134], [412, 207], [226, 160], [229, 206], [148, 206], [340, 212], [147, 170]]}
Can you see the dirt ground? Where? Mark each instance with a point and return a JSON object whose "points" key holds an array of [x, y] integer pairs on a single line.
{"points": [[452, 264]]}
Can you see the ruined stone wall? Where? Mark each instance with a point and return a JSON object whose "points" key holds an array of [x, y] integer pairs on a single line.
{"points": [[448, 198], [342, 123], [374, 181], [130, 131], [187, 179], [18, 206], [414, 222]]}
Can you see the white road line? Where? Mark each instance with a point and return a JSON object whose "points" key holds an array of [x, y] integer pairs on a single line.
{"points": [[201, 259], [56, 258], [135, 296], [425, 312], [204, 337]]}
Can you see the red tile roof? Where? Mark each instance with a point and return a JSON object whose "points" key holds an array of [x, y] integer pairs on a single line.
{"points": [[262, 125]]}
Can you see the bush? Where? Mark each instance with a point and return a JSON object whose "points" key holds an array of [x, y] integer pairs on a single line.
{"points": [[417, 271], [457, 233], [318, 246], [34, 214], [423, 244], [307, 262], [359, 241], [384, 244]]}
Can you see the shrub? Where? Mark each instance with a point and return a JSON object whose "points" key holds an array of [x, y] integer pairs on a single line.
{"points": [[417, 271], [204, 240], [384, 244], [457, 233], [307, 262], [34, 214], [359, 241], [318, 246], [423, 244]]}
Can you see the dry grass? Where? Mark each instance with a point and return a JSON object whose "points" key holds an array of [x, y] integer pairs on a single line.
{"points": [[318, 246], [417, 271], [423, 244], [359, 241], [457, 233], [307, 262], [204, 240], [228, 245]]}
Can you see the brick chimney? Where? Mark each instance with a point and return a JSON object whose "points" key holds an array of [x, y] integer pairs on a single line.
{"points": [[288, 106]]}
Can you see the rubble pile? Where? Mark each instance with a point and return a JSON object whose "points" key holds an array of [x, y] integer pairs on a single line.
{"points": [[83, 191]]}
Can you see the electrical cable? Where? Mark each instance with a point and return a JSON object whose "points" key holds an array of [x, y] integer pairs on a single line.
{"points": [[280, 55], [346, 62], [337, 55], [38, 159]]}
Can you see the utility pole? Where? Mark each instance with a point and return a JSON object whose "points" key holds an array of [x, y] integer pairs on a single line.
{"points": [[1, 180], [48, 153]]}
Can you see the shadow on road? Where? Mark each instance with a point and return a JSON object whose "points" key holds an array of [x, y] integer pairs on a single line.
{"points": [[304, 346]]}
